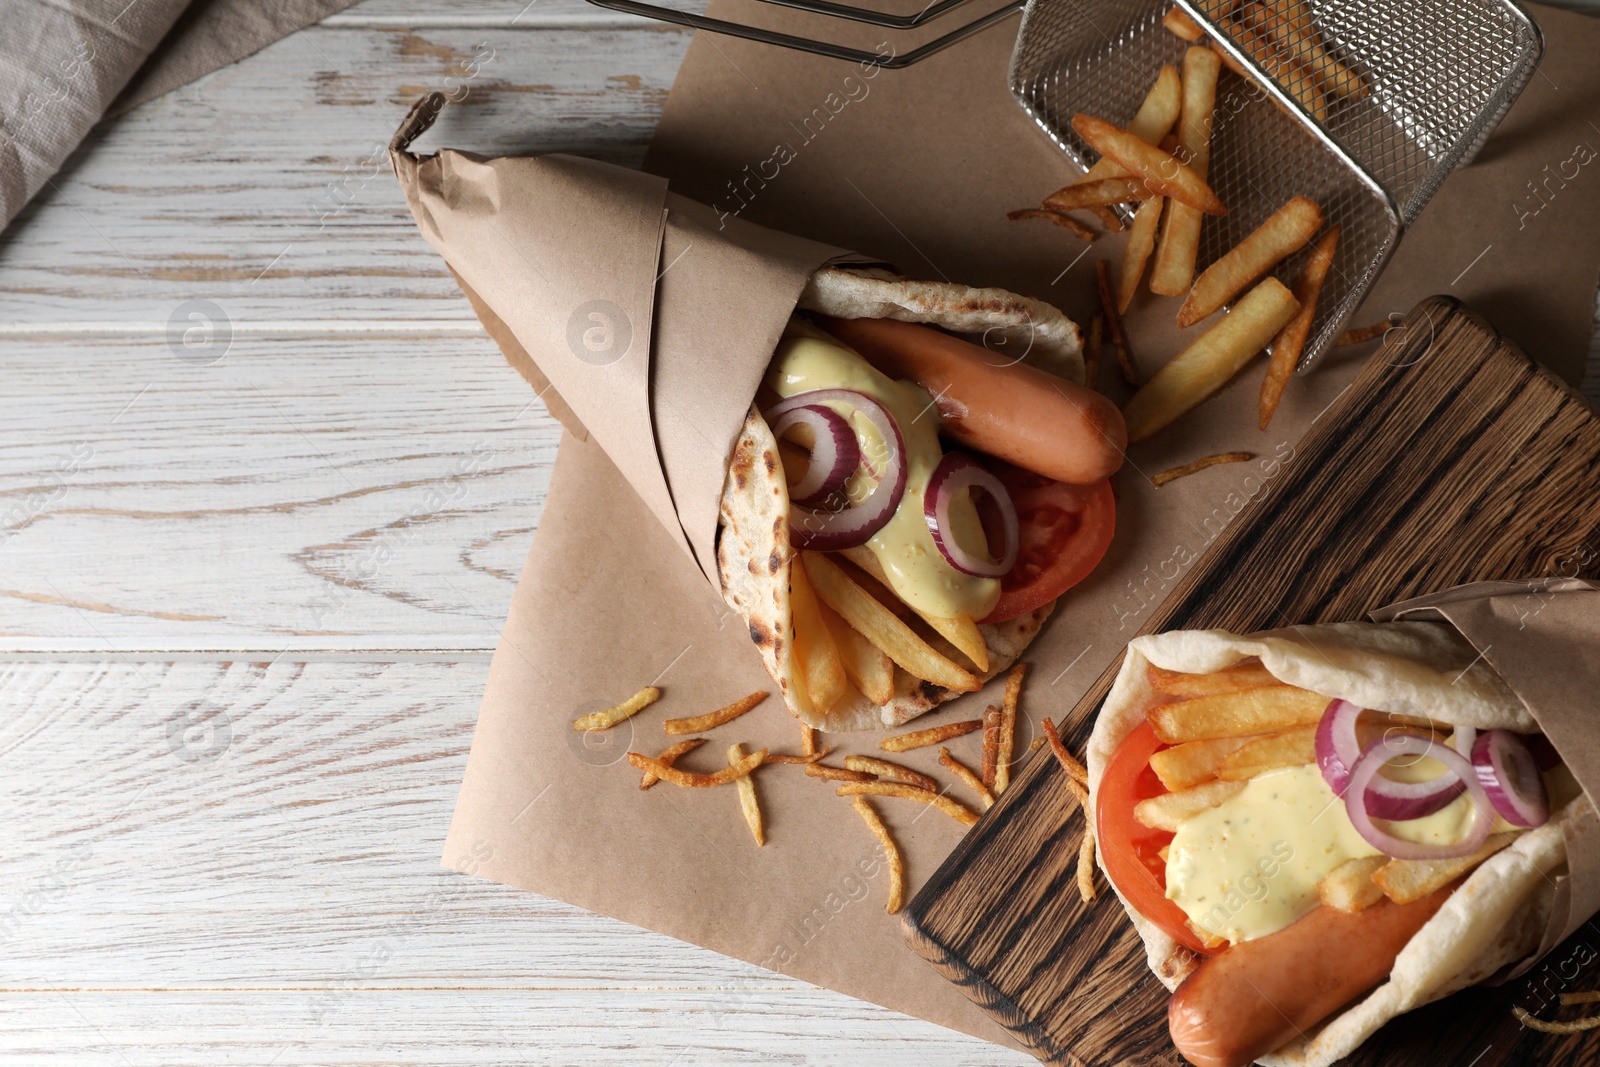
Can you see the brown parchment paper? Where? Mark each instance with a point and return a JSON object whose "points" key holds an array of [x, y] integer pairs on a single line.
{"points": [[1542, 637], [916, 167]]}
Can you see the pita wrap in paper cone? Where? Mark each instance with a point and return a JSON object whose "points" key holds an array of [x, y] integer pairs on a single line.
{"points": [[568, 256], [1513, 655], [648, 320]]}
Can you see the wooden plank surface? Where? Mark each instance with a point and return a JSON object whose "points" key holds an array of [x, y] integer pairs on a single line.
{"points": [[1451, 458]]}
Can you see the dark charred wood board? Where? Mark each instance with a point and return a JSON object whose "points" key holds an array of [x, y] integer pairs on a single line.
{"points": [[1451, 458]]}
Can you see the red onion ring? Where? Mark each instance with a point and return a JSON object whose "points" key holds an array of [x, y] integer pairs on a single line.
{"points": [[1365, 772], [955, 472], [1338, 749], [834, 454], [1509, 775], [832, 531]]}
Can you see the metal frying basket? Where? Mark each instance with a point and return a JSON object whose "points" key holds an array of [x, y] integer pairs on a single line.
{"points": [[1434, 78]]}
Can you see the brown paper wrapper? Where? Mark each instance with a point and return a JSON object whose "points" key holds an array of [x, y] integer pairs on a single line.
{"points": [[642, 318], [1543, 638]]}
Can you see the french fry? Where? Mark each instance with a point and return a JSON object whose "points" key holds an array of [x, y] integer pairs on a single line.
{"points": [[689, 780], [991, 745], [865, 570], [606, 718], [910, 652], [1253, 711], [1178, 21], [1247, 675], [1293, 747], [960, 631], [935, 735], [1180, 233], [1259, 38], [1091, 349], [1291, 340], [910, 792], [803, 759], [1349, 887], [1292, 24], [1069, 763], [1403, 881], [1194, 466], [1077, 775], [712, 719], [1008, 727], [868, 669], [808, 739], [967, 777], [1360, 335], [669, 756], [1210, 360], [1167, 811], [1119, 339], [1100, 193], [836, 774], [1193, 762], [1086, 890], [1285, 232], [1136, 253], [1161, 172], [1156, 116], [890, 772], [891, 852], [821, 667], [747, 797], [1066, 222]]}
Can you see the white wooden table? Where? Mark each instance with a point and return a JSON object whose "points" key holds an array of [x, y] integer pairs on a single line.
{"points": [[249, 585], [252, 566]]}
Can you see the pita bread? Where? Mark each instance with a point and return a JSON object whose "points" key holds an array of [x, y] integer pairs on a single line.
{"points": [[1003, 321], [754, 553], [1493, 919]]}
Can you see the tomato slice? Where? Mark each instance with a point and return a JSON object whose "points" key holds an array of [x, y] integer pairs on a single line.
{"points": [[1066, 530], [1131, 850]]}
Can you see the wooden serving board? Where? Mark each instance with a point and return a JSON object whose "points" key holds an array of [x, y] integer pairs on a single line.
{"points": [[1451, 458]]}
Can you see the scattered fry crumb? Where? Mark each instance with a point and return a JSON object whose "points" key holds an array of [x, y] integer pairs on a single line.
{"points": [[971, 780], [836, 774], [1576, 1026], [606, 718], [1172, 474], [1119, 340], [712, 719], [1066, 222], [808, 739], [747, 797], [891, 852], [784, 757], [1077, 774], [1037, 743], [890, 772], [1091, 349], [697, 781], [956, 810], [1086, 888], [670, 756], [932, 736], [991, 745], [1363, 334], [1008, 727]]}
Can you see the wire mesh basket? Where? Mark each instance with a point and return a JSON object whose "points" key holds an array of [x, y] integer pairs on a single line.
{"points": [[1363, 105]]}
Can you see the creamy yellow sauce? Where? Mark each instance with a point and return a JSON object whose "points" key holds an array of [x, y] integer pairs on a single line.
{"points": [[1250, 866], [917, 571]]}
